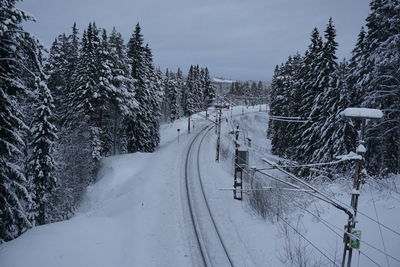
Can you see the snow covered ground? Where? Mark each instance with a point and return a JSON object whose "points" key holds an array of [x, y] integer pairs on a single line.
{"points": [[135, 216]]}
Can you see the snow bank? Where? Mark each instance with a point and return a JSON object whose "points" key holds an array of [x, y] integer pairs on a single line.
{"points": [[367, 113]]}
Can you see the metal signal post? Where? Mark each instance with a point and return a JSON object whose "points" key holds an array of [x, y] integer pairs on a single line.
{"points": [[218, 128], [238, 171]]}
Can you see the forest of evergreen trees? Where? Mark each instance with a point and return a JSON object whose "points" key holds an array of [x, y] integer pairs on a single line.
{"points": [[316, 87], [247, 89], [183, 97], [61, 111], [248, 92]]}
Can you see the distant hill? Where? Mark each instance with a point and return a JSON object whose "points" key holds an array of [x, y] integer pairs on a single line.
{"points": [[222, 80]]}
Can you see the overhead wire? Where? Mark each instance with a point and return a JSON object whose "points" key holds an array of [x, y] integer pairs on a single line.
{"points": [[380, 228], [366, 243], [308, 241], [329, 225], [376, 187]]}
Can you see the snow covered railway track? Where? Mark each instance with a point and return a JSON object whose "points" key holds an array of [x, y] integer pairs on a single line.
{"points": [[213, 251]]}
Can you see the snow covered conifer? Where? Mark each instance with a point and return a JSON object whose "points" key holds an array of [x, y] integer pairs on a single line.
{"points": [[154, 84], [123, 103], [209, 90], [190, 97], [172, 96], [41, 165], [14, 44], [180, 86], [326, 66], [143, 130], [382, 84], [356, 71]]}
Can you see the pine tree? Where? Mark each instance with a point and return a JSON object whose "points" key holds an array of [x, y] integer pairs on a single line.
{"points": [[321, 111], [89, 102], [277, 108], [15, 44], [190, 97], [356, 72], [381, 83], [143, 130], [208, 89], [197, 89], [180, 83], [42, 165], [283, 100], [338, 137], [154, 85], [325, 65], [123, 106], [57, 69], [172, 95]]}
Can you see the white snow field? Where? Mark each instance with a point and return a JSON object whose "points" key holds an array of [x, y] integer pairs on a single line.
{"points": [[137, 214]]}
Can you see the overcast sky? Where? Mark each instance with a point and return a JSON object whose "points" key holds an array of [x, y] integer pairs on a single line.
{"points": [[238, 39]]}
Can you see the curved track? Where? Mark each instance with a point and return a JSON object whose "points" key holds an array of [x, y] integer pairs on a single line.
{"points": [[213, 251]]}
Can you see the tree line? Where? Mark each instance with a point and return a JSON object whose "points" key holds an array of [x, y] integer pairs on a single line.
{"points": [[62, 110], [315, 88], [248, 92], [183, 97]]}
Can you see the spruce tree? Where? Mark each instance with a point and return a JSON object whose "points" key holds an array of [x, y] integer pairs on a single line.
{"points": [[154, 84], [15, 45], [322, 109], [143, 130], [208, 89], [180, 83], [356, 72], [58, 72], [190, 96], [338, 137], [42, 166], [172, 94], [123, 104], [277, 108], [381, 83], [325, 65]]}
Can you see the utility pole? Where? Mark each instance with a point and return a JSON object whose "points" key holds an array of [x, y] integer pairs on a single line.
{"points": [[364, 114], [218, 134], [238, 175], [189, 122]]}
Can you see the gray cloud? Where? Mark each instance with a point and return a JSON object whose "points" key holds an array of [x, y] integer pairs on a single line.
{"points": [[235, 39]]}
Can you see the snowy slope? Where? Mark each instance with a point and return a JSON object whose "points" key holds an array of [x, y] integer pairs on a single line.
{"points": [[131, 217]]}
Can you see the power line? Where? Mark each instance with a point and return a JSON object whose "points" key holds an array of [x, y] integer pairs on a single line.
{"points": [[369, 258], [277, 119], [388, 188], [312, 244], [372, 219], [335, 200], [331, 200], [326, 223], [364, 242], [349, 234], [380, 228], [284, 117]]}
